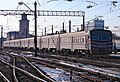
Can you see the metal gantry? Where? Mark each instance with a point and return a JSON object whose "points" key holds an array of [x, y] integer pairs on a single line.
{"points": [[43, 13]]}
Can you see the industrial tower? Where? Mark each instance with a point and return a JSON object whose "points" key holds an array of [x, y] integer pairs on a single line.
{"points": [[24, 26]]}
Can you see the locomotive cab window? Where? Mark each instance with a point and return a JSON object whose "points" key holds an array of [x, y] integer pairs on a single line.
{"points": [[101, 35], [106, 36]]}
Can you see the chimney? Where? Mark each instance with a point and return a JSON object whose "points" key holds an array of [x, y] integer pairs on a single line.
{"points": [[52, 29], [82, 28], [69, 25], [45, 31]]}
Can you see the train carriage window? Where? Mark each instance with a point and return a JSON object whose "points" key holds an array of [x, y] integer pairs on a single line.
{"points": [[69, 39], [83, 39], [41, 40], [44, 40], [53, 41], [62, 40], [65, 39], [80, 39], [49, 40], [77, 39], [74, 39]]}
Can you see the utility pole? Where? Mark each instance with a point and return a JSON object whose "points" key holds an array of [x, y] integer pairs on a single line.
{"points": [[52, 29], [69, 26], [63, 26], [35, 38], [45, 31], [83, 22], [1, 36]]}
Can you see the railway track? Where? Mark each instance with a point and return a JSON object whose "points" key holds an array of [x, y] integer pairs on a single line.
{"points": [[5, 69], [33, 70], [94, 62], [84, 73], [52, 61], [3, 78], [111, 60], [101, 62], [19, 74]]}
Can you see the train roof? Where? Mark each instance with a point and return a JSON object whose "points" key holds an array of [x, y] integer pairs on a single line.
{"points": [[61, 34], [45, 36], [68, 33]]}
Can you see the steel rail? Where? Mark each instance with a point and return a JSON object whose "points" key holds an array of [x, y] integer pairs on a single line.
{"points": [[4, 78], [14, 75], [44, 76], [53, 63], [25, 72], [41, 74]]}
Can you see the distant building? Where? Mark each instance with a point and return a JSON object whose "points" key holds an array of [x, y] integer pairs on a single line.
{"points": [[95, 24], [12, 35], [24, 27]]}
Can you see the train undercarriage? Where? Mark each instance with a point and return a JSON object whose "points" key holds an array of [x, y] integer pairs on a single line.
{"points": [[65, 52]]}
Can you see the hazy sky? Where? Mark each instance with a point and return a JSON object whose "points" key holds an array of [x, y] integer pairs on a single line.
{"points": [[105, 8]]}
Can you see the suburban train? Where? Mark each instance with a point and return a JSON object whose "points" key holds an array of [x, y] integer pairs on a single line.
{"points": [[96, 42], [116, 45]]}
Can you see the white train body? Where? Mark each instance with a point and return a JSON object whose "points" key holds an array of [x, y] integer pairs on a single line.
{"points": [[117, 45], [67, 42]]}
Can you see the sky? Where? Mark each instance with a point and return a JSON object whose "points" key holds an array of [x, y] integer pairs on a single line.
{"points": [[110, 13]]}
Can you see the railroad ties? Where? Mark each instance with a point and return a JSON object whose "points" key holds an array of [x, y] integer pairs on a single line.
{"points": [[19, 69], [23, 68]]}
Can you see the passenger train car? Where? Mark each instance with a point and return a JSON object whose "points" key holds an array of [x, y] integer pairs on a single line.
{"points": [[116, 45], [94, 42]]}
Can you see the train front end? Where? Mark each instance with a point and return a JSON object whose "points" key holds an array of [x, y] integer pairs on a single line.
{"points": [[101, 42]]}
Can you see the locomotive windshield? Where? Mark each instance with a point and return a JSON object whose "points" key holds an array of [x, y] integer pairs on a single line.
{"points": [[101, 35]]}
